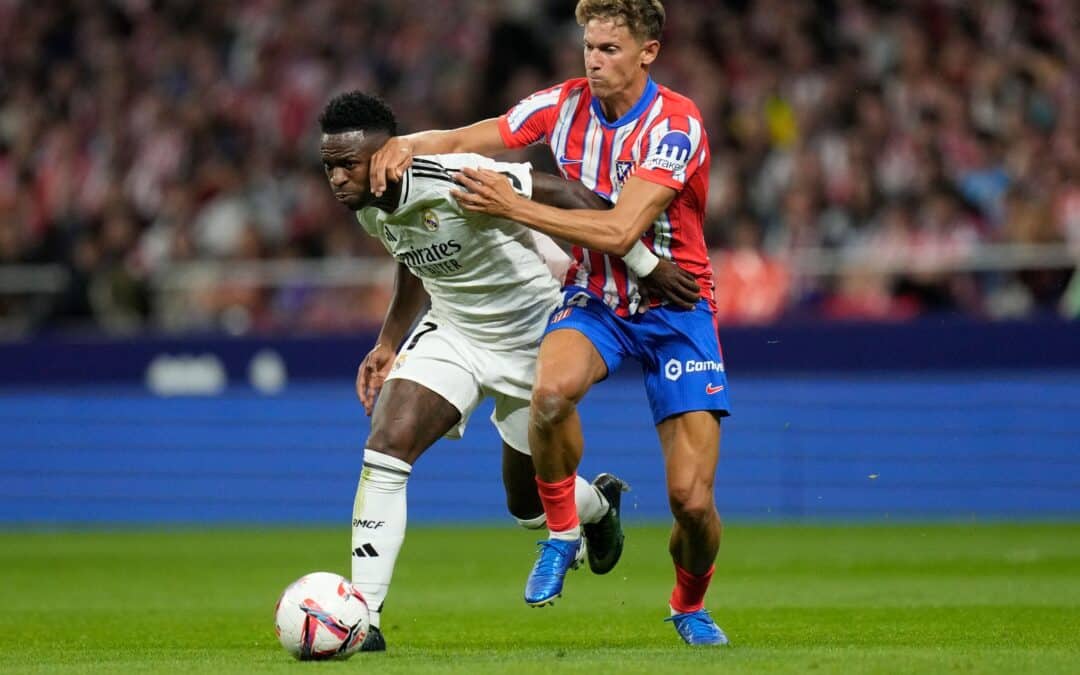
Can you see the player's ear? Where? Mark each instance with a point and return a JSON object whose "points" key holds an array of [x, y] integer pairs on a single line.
{"points": [[649, 51]]}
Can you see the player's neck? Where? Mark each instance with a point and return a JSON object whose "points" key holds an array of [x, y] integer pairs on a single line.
{"points": [[390, 199], [620, 103]]}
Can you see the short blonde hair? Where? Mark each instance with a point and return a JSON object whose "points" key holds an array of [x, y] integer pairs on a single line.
{"points": [[643, 18]]}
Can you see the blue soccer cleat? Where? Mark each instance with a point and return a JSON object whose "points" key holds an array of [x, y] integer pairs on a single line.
{"points": [[698, 628], [557, 557]]}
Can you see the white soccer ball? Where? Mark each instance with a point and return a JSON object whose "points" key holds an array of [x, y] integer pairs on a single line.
{"points": [[321, 616]]}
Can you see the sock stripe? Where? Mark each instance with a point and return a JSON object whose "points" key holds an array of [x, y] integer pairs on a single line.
{"points": [[389, 469]]}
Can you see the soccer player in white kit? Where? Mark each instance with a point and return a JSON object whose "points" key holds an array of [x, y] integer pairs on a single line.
{"points": [[491, 294]]}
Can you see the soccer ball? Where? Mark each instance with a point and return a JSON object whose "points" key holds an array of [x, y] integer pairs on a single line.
{"points": [[321, 616]]}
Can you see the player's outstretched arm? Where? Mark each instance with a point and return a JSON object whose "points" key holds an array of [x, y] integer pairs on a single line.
{"points": [[613, 231], [391, 160], [565, 194], [659, 279], [409, 298]]}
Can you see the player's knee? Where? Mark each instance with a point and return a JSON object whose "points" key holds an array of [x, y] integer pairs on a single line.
{"points": [[692, 503], [397, 441], [550, 405]]}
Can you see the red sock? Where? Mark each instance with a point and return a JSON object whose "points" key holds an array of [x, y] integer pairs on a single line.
{"points": [[689, 593], [558, 501]]}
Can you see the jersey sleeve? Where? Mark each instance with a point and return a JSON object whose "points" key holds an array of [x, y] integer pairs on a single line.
{"points": [[673, 149], [531, 120], [518, 173]]}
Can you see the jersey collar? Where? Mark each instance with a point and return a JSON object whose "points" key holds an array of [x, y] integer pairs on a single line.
{"points": [[631, 114]]}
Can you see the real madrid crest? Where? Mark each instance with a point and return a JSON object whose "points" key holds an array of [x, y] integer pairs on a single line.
{"points": [[430, 220]]}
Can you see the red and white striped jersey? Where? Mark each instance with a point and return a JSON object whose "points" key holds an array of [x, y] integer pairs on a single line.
{"points": [[661, 139]]}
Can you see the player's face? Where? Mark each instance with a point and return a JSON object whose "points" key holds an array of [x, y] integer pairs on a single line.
{"points": [[345, 159], [614, 58]]}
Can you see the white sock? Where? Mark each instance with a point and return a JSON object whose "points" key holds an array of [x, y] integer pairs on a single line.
{"points": [[532, 523], [573, 534], [591, 505], [378, 526]]}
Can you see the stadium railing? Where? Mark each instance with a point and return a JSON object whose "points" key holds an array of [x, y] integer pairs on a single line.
{"points": [[171, 285]]}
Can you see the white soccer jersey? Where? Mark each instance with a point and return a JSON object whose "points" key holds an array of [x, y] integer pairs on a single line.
{"points": [[483, 274]]}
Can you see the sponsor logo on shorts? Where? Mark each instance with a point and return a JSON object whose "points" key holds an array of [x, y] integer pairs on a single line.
{"points": [[674, 368], [711, 388]]}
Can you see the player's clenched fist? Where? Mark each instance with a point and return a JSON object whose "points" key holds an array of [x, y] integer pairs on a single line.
{"points": [[389, 163], [372, 374]]}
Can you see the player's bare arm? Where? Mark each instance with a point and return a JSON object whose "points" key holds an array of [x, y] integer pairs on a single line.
{"points": [[390, 161], [408, 300], [613, 231], [565, 194], [665, 282]]}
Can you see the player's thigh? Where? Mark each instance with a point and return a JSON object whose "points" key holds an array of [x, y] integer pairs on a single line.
{"points": [[568, 364], [409, 418], [582, 344], [691, 446], [438, 359]]}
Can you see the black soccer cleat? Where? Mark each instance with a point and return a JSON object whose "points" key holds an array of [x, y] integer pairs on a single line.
{"points": [[605, 537], [373, 641]]}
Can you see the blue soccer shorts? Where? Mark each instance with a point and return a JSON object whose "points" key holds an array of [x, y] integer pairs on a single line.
{"points": [[678, 349]]}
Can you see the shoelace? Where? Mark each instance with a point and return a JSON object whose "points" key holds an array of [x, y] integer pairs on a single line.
{"points": [[698, 623], [549, 564]]}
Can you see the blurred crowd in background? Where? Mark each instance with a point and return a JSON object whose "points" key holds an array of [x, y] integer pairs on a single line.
{"points": [[891, 139]]}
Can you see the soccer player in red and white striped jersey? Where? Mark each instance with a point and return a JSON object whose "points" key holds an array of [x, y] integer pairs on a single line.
{"points": [[660, 139], [643, 147]]}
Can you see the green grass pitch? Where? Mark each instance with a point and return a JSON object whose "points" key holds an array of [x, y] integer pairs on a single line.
{"points": [[819, 599]]}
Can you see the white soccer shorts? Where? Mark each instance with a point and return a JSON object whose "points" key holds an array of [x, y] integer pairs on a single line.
{"points": [[463, 372]]}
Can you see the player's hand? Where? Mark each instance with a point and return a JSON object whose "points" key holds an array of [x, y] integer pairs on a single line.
{"points": [[671, 283], [389, 163], [488, 192], [372, 374]]}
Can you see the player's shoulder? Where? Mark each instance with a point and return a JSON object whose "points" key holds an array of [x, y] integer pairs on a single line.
{"points": [[677, 105], [427, 183], [454, 161], [574, 84], [427, 168], [556, 93]]}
